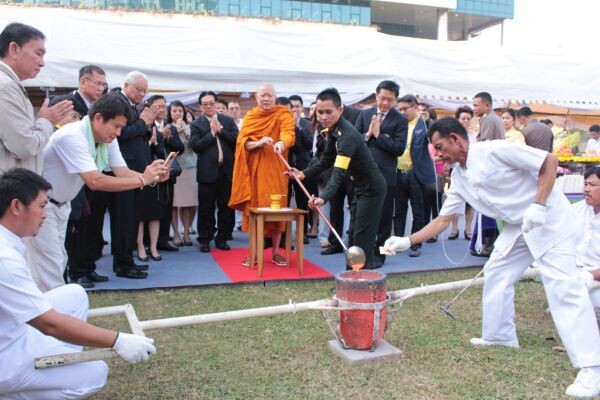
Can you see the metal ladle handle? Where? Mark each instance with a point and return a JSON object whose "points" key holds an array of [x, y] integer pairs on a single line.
{"points": [[309, 196]]}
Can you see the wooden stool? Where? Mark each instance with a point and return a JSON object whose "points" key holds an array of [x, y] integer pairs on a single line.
{"points": [[258, 217]]}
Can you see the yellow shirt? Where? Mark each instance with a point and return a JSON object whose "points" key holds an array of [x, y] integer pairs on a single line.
{"points": [[514, 136], [404, 161]]}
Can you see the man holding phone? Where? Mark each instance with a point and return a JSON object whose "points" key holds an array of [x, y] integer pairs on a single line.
{"points": [[76, 155]]}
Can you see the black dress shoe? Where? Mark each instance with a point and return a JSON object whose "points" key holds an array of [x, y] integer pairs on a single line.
{"points": [[94, 277], [143, 259], [166, 247], [332, 250], [157, 258], [140, 267], [204, 247], [222, 246], [306, 241], [85, 282], [131, 273]]}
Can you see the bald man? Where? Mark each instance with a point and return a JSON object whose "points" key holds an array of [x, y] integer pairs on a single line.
{"points": [[258, 171]]}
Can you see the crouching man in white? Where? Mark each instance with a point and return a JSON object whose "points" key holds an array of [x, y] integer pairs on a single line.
{"points": [[33, 324], [588, 235], [514, 183], [76, 154]]}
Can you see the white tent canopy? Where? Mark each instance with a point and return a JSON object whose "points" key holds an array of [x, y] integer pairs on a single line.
{"points": [[191, 53]]}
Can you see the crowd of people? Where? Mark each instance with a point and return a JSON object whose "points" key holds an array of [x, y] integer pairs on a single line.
{"points": [[155, 167]]}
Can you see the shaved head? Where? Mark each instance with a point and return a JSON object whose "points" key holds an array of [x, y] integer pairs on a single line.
{"points": [[265, 96]]}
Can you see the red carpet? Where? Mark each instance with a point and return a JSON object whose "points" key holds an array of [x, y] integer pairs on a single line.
{"points": [[231, 263]]}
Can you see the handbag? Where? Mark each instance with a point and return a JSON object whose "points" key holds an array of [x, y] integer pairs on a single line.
{"points": [[175, 170]]}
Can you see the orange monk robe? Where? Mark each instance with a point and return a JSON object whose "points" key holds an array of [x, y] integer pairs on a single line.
{"points": [[258, 173]]}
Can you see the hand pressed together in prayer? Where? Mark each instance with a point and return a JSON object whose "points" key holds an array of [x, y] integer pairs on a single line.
{"points": [[153, 140], [215, 125], [148, 114], [374, 127], [57, 112]]}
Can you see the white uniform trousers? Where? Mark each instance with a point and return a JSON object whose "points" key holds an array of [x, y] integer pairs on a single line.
{"points": [[47, 248], [595, 297], [75, 381], [568, 299]]}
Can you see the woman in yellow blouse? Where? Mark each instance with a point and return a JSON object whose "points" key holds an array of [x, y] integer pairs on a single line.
{"points": [[510, 132]]}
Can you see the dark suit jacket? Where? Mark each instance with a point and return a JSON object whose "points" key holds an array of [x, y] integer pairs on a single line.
{"points": [[205, 145], [78, 102], [390, 143], [299, 155], [133, 142], [419, 154], [350, 114]]}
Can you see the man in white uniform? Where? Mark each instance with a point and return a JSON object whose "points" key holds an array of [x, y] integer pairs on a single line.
{"points": [[515, 183], [76, 154], [33, 324], [587, 240]]}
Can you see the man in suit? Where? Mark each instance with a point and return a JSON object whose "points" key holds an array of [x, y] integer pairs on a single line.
{"points": [[385, 131], [536, 134], [123, 206], [213, 137], [92, 84], [415, 171], [300, 156], [23, 135]]}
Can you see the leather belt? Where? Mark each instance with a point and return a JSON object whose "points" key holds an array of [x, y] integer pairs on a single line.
{"points": [[56, 203]]}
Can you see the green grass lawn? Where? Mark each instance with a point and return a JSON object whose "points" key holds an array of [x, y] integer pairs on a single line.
{"points": [[286, 356]]}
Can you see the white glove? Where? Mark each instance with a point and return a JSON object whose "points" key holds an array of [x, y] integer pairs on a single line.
{"points": [[534, 217], [586, 278], [133, 348], [397, 243]]}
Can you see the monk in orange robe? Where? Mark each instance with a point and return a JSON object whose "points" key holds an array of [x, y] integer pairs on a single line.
{"points": [[258, 171]]}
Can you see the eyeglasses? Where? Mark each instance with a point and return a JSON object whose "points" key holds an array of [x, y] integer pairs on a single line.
{"points": [[208, 103], [405, 108], [139, 89], [98, 83]]}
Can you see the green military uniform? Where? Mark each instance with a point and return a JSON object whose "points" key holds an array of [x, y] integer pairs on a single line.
{"points": [[346, 150]]}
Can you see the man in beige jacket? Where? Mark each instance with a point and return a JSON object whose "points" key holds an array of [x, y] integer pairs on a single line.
{"points": [[22, 135]]}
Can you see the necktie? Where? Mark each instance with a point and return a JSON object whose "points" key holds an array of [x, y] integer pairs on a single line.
{"points": [[220, 150], [381, 116]]}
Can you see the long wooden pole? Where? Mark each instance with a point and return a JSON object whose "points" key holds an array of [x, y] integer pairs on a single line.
{"points": [[308, 195]]}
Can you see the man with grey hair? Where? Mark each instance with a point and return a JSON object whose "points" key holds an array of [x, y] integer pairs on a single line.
{"points": [[123, 206], [22, 134]]}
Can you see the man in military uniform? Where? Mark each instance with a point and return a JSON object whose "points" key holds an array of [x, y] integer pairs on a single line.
{"points": [[346, 151]]}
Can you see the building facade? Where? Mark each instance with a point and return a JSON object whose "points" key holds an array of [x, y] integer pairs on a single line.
{"points": [[427, 19]]}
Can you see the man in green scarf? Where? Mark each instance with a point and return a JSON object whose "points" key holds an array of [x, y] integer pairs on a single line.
{"points": [[76, 155]]}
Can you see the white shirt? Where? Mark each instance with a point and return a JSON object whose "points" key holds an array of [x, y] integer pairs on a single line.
{"points": [[587, 239], [20, 302], [67, 155], [593, 144], [500, 180]]}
